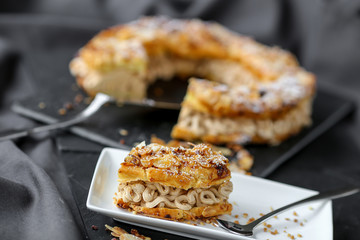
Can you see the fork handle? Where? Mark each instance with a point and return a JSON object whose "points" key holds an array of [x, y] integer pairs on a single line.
{"points": [[99, 100], [46, 128], [325, 195]]}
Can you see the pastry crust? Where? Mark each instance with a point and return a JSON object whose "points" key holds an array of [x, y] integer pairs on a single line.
{"points": [[193, 125], [178, 214], [198, 167]]}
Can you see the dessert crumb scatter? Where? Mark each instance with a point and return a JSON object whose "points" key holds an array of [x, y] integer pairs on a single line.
{"points": [[42, 105], [295, 214], [123, 132], [251, 220], [62, 111], [78, 98], [68, 106]]}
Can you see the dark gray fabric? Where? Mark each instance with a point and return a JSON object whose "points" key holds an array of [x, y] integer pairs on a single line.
{"points": [[31, 205], [39, 37]]}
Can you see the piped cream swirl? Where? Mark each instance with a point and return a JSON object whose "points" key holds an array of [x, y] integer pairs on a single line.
{"points": [[155, 195]]}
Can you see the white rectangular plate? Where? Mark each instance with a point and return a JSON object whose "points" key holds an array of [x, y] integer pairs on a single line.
{"points": [[251, 197]]}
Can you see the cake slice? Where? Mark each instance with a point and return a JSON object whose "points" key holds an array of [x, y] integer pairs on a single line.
{"points": [[174, 183]]}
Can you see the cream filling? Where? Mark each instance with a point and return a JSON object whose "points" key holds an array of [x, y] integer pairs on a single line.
{"points": [[202, 125], [155, 195]]}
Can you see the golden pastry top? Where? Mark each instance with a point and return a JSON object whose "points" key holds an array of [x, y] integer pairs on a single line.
{"points": [[263, 100], [197, 167], [265, 82], [130, 45]]}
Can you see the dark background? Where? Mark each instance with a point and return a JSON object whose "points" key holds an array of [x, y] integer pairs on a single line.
{"points": [[37, 41]]}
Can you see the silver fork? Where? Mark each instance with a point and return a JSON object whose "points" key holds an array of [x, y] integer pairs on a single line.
{"points": [[99, 100], [248, 229]]}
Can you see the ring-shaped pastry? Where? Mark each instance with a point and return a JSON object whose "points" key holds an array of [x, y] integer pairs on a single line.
{"points": [[252, 92]]}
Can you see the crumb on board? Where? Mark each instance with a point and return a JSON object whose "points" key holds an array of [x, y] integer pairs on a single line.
{"points": [[62, 111], [123, 132], [78, 98], [68, 106], [42, 105], [94, 227], [295, 214], [245, 215], [275, 232]]}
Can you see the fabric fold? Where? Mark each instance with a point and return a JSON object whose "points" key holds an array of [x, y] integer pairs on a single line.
{"points": [[30, 202]]}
